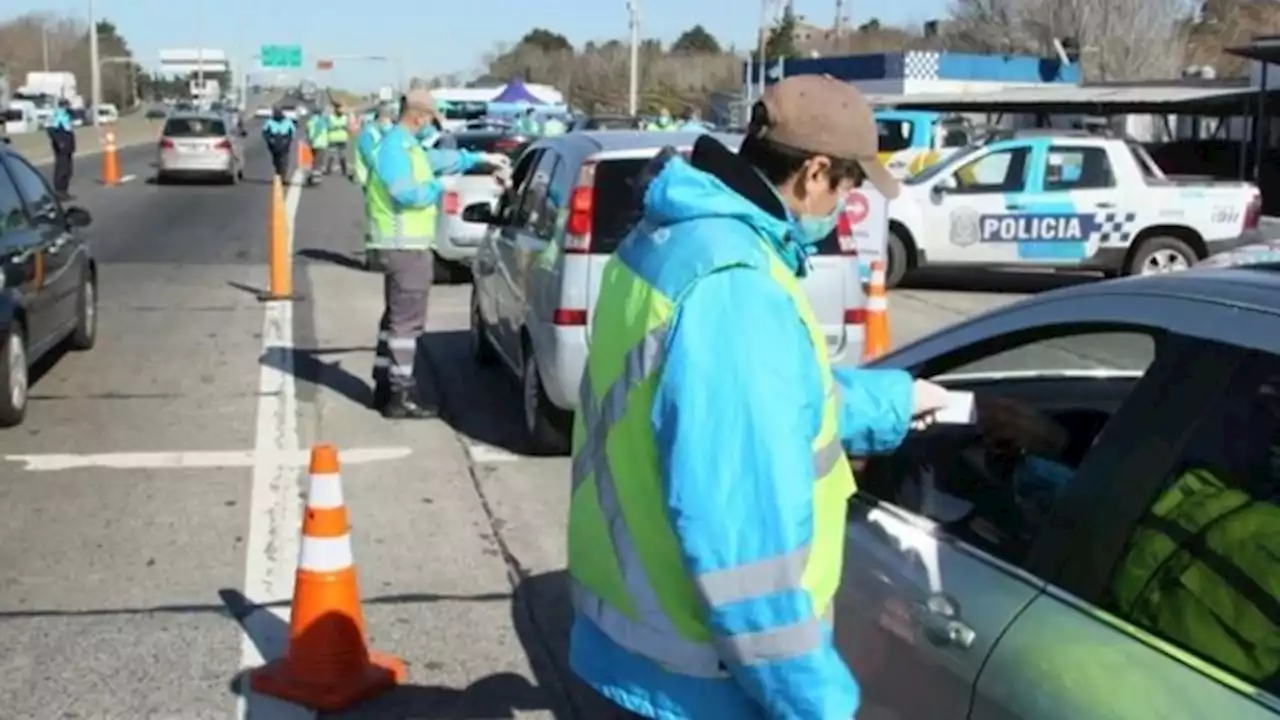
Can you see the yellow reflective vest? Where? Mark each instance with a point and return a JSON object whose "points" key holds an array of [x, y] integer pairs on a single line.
{"points": [[399, 228], [1200, 570], [628, 576]]}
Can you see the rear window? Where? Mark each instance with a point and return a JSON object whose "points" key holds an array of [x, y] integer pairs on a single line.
{"points": [[611, 123], [617, 202], [895, 135], [489, 142], [194, 128]]}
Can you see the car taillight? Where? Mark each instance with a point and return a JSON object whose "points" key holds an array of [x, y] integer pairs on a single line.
{"points": [[577, 237], [506, 145], [451, 203], [222, 145], [569, 317], [855, 316], [1253, 213], [166, 143]]}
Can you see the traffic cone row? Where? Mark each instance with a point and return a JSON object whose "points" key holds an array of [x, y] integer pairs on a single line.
{"points": [[876, 341], [328, 666]]}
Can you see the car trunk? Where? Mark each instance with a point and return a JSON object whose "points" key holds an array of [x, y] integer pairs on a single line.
{"points": [[617, 208]]}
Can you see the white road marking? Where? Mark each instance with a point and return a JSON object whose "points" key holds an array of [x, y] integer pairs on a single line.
{"points": [[128, 178], [275, 508], [481, 453], [198, 459]]}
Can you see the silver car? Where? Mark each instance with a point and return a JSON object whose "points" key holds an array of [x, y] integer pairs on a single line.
{"points": [[200, 145], [539, 268], [457, 238], [972, 589]]}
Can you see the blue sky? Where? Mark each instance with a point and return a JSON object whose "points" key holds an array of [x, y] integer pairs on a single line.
{"points": [[432, 36]]}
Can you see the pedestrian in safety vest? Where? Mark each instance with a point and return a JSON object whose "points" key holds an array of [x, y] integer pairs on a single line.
{"points": [[527, 123], [367, 141], [710, 479], [338, 135], [62, 139], [318, 136], [690, 122], [663, 123], [402, 196]]}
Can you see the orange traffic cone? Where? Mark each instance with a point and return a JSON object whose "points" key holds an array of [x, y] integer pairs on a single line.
{"points": [[110, 161], [279, 261], [305, 157], [877, 315], [328, 666]]}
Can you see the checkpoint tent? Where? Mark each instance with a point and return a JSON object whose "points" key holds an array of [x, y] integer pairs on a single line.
{"points": [[515, 93]]}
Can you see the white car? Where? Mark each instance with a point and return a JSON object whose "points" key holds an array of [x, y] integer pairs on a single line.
{"points": [[1063, 200]]}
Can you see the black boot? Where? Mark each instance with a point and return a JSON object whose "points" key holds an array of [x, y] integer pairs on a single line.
{"points": [[381, 396], [404, 406]]}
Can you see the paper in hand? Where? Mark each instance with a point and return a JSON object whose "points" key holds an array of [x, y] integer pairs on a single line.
{"points": [[959, 410]]}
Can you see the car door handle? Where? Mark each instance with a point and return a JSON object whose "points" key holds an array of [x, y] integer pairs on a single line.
{"points": [[1015, 207], [940, 620], [58, 244], [1104, 205]]}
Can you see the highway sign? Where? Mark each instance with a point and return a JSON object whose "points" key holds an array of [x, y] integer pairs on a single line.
{"points": [[281, 56]]}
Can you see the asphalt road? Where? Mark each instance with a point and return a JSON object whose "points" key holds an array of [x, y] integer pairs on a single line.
{"points": [[149, 506]]}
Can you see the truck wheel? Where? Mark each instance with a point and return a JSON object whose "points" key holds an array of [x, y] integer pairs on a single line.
{"points": [[898, 260], [1161, 254]]}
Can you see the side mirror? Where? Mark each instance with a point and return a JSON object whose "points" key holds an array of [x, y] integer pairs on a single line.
{"points": [[78, 217], [942, 187], [481, 212]]}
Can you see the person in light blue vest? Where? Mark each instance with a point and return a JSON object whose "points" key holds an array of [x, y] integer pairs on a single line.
{"points": [[62, 138], [691, 122], [278, 132]]}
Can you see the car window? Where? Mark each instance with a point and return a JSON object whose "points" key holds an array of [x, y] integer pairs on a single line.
{"points": [[538, 206], [12, 215], [1000, 171], [981, 494], [33, 189], [194, 128], [895, 135], [617, 202], [1077, 168], [1201, 565], [520, 177], [490, 142]]}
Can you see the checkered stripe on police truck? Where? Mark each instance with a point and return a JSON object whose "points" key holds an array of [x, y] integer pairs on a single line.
{"points": [[1114, 228], [921, 65]]}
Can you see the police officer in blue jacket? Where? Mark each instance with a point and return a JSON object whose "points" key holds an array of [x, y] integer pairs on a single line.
{"points": [[278, 132], [62, 137]]}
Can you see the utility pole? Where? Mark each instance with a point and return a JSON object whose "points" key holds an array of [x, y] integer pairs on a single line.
{"points": [[95, 66], [633, 92], [44, 45], [838, 28], [200, 47]]}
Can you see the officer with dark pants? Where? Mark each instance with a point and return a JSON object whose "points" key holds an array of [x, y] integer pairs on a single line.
{"points": [[62, 138], [278, 133], [402, 196]]}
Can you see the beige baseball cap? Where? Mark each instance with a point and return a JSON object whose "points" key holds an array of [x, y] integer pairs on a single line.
{"points": [[819, 114], [421, 100]]}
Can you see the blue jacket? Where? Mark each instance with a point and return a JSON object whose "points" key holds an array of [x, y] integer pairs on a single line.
{"points": [[693, 126], [392, 164], [367, 141], [736, 407], [278, 133], [61, 131]]}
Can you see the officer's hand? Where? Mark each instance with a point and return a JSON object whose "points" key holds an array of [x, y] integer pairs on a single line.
{"points": [[496, 160], [503, 177]]}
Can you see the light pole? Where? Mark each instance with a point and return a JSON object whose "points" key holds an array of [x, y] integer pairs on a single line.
{"points": [[633, 88], [95, 65], [44, 45]]}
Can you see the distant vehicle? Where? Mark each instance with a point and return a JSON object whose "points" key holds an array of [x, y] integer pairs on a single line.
{"points": [[1063, 200], [456, 238], [157, 112], [1012, 599], [199, 145], [49, 287], [539, 268], [607, 122], [107, 114], [911, 140]]}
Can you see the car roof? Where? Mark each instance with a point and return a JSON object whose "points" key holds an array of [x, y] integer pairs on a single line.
{"points": [[1252, 287], [197, 115], [625, 142]]}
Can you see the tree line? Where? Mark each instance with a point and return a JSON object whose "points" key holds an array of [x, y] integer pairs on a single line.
{"points": [[58, 43], [1110, 40]]}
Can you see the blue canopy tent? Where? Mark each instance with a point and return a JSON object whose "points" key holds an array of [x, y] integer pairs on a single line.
{"points": [[515, 93]]}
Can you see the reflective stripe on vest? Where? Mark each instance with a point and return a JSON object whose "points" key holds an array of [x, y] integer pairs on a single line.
{"points": [[396, 228], [652, 633], [337, 129]]}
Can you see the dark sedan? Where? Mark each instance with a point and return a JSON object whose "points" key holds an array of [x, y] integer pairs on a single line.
{"points": [[1099, 575], [48, 279]]}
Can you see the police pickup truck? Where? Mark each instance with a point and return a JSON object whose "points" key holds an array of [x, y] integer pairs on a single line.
{"points": [[1064, 200]]}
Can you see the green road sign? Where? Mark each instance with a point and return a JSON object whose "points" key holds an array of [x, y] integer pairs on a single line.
{"points": [[281, 56]]}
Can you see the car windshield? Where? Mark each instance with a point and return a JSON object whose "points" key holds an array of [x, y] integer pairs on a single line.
{"points": [[194, 128], [939, 168]]}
